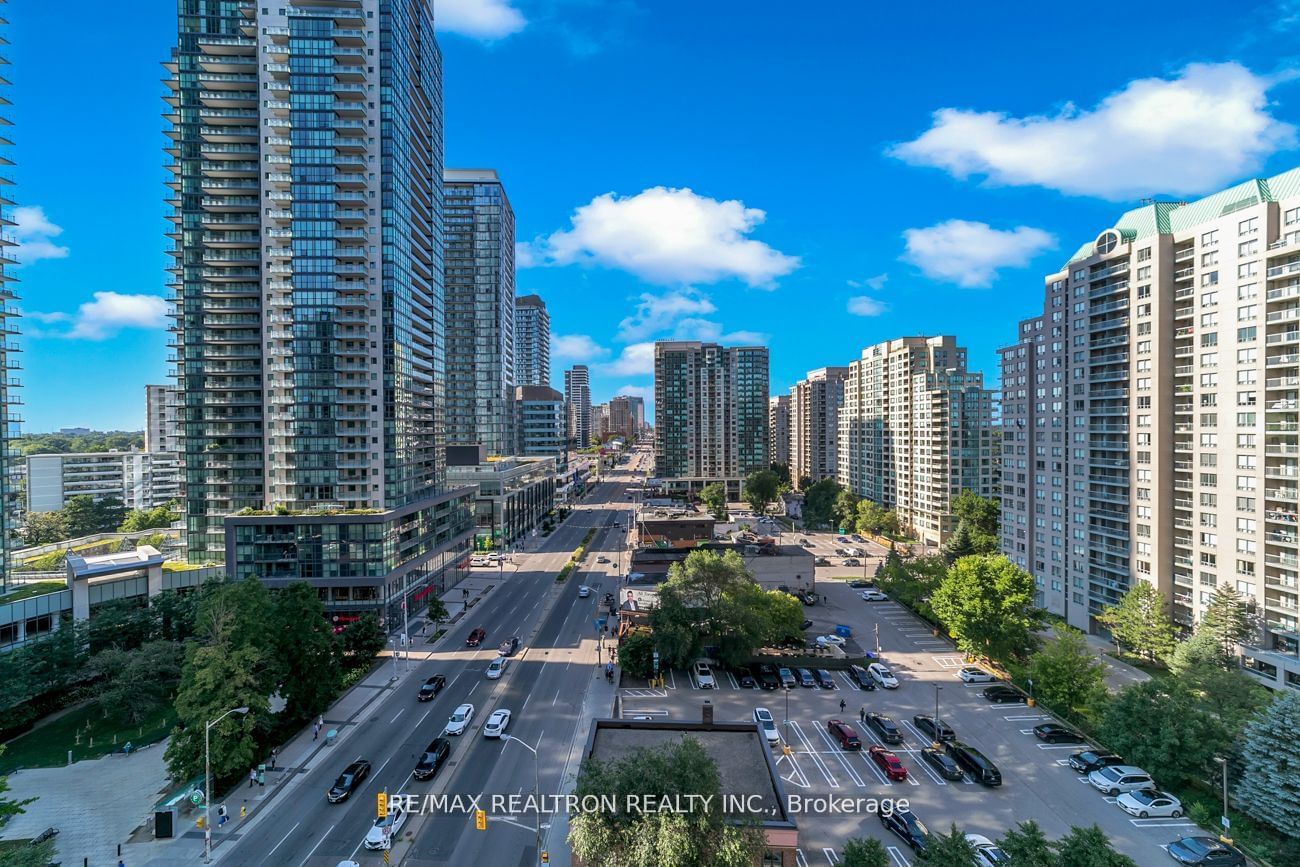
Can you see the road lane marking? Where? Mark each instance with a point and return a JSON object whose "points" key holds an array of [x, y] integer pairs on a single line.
{"points": [[282, 839], [399, 713], [317, 846], [898, 857]]}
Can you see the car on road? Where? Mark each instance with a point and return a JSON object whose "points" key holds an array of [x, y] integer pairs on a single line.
{"points": [[824, 640], [987, 853], [861, 583], [806, 678], [476, 636], [381, 833], [1055, 733], [348, 781], [861, 677], [763, 717], [937, 730], [459, 720], [908, 827], [882, 675], [821, 561], [602, 559], [431, 687], [1003, 694], [704, 675], [851, 561], [888, 762], [478, 561], [975, 674], [972, 761], [1149, 805], [766, 676], [843, 540], [942, 762], [824, 679], [805, 543], [874, 596], [807, 624], [497, 667], [509, 647], [1117, 779], [844, 735], [1091, 760], [434, 757], [885, 727], [787, 677], [496, 724], [583, 591], [856, 538], [1205, 852]]}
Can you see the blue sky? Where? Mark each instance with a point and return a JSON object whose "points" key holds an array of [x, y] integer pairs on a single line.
{"points": [[816, 177]]}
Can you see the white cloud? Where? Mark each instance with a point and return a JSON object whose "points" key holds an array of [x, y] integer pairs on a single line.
{"points": [[877, 282], [970, 254], [576, 347], [657, 313], [34, 231], [667, 236], [478, 19], [865, 305], [108, 314], [647, 392], [636, 359], [1203, 129], [710, 331]]}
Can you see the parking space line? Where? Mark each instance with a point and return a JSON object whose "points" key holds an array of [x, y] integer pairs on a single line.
{"points": [[1161, 823], [897, 857], [839, 754], [848, 680], [831, 857], [735, 684], [812, 754], [1060, 746], [799, 859], [916, 758], [797, 770]]}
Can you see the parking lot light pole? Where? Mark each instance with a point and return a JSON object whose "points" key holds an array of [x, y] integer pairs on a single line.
{"points": [[785, 748], [1223, 820], [537, 788], [207, 782], [936, 743]]}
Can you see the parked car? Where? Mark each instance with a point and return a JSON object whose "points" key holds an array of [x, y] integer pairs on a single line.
{"points": [[885, 727], [972, 761], [431, 687], [496, 668], [851, 561], [975, 674], [821, 561], [859, 584], [861, 677], [583, 591], [874, 596], [824, 679], [478, 561], [806, 625], [704, 675], [882, 675], [763, 717], [846, 736], [888, 762], [942, 763], [806, 678], [745, 679], [842, 539], [496, 724], [1055, 733], [766, 676], [825, 640], [1205, 852], [434, 757], [460, 718], [1117, 779], [381, 833], [1003, 694], [348, 781], [938, 730], [856, 538], [805, 543], [475, 637], [509, 647], [1090, 760], [788, 679], [1145, 804], [602, 559], [987, 853], [908, 827]]}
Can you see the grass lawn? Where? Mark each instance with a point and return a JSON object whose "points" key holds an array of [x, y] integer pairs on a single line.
{"points": [[37, 589], [47, 746]]}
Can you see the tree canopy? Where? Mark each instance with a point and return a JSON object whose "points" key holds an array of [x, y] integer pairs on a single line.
{"points": [[981, 516], [1158, 724], [1226, 619], [1140, 622], [987, 603], [819, 502], [1067, 675], [714, 498], [761, 488], [1269, 786]]}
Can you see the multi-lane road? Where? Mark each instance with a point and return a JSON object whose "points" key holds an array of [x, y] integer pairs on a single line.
{"points": [[544, 687]]}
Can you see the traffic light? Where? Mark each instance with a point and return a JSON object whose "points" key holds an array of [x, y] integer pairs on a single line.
{"points": [[381, 804], [480, 820]]}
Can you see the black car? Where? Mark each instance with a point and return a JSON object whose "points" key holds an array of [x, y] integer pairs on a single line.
{"points": [[938, 731], [766, 677], [1205, 852], [972, 761], [1090, 760], [942, 763], [475, 637], [821, 561], [861, 584], [745, 679], [862, 677], [435, 756], [807, 624], [431, 687], [824, 678], [1055, 733], [1002, 694], [348, 782], [509, 647], [907, 826], [885, 727]]}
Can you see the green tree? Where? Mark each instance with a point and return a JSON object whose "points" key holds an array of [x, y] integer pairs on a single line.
{"points": [[1067, 676], [761, 487], [32, 855], [1269, 786], [819, 502], [699, 838], [714, 498], [147, 519], [782, 472], [1140, 622], [1217, 683], [636, 654], [1028, 846], [436, 612], [1226, 619], [863, 852], [83, 516], [174, 612], [363, 639], [845, 511], [238, 615], [948, 850], [135, 684], [213, 681], [1157, 724], [912, 583], [959, 544], [982, 517], [1089, 847], [121, 623], [987, 603], [875, 519], [44, 528], [308, 651]]}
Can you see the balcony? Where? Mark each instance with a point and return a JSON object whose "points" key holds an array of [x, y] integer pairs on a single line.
{"points": [[1283, 337], [1284, 293], [1287, 359], [1184, 273], [1284, 270]]}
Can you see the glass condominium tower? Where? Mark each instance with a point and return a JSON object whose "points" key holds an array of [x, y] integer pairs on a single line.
{"points": [[9, 421], [306, 159]]}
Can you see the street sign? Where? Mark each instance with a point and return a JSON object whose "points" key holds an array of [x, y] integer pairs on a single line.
{"points": [[480, 820], [196, 797], [381, 804], [1226, 823]]}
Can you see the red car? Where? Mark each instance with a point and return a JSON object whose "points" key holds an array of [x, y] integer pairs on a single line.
{"points": [[847, 737], [476, 637], [888, 762]]}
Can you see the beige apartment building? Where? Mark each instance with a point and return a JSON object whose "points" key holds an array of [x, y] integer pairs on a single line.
{"points": [[915, 430], [778, 429], [1150, 417], [814, 424]]}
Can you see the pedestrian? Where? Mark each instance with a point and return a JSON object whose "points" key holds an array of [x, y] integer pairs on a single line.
{"points": [[275, 751], [252, 777], [862, 713], [842, 705], [315, 730]]}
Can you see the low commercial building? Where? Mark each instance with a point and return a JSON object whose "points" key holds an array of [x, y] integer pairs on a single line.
{"points": [[674, 527], [771, 565], [513, 493]]}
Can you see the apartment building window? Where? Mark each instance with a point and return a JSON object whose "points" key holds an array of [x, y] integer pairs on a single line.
{"points": [[1145, 253], [1246, 546], [1210, 259], [1144, 310], [1247, 313], [1209, 398], [1210, 278], [1209, 460], [1245, 419], [1209, 480], [1144, 383], [1144, 291], [1143, 530], [1247, 356], [1209, 501], [1246, 483], [1247, 377], [1247, 269], [1209, 519], [1245, 567], [1248, 248], [1245, 398], [1210, 540], [1247, 291], [1144, 346], [1144, 273], [1144, 457], [1291, 216], [1209, 299], [1247, 334], [1209, 359], [1246, 525], [1248, 227], [1245, 440], [1144, 421], [1209, 239], [1209, 441]]}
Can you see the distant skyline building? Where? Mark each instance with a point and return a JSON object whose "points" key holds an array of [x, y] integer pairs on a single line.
{"points": [[814, 424], [480, 310], [915, 431], [778, 429], [9, 399], [141, 480], [162, 422], [638, 413], [532, 341], [711, 414], [540, 421], [577, 400], [622, 417]]}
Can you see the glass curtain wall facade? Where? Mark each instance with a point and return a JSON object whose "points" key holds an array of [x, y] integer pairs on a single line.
{"points": [[9, 419], [532, 341]]}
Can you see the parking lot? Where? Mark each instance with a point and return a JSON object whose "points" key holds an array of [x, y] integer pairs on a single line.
{"points": [[1037, 781]]}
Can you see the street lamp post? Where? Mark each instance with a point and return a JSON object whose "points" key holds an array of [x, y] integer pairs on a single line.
{"points": [[537, 788], [786, 722], [936, 743], [1223, 820], [207, 782]]}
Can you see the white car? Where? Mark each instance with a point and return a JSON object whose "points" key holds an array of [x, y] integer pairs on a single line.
{"points": [[975, 674], [824, 640], [496, 724], [459, 720], [584, 591], [874, 596], [1119, 779], [603, 559], [1146, 804], [704, 676], [763, 717], [496, 668], [381, 834], [882, 675], [987, 854], [478, 561]]}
